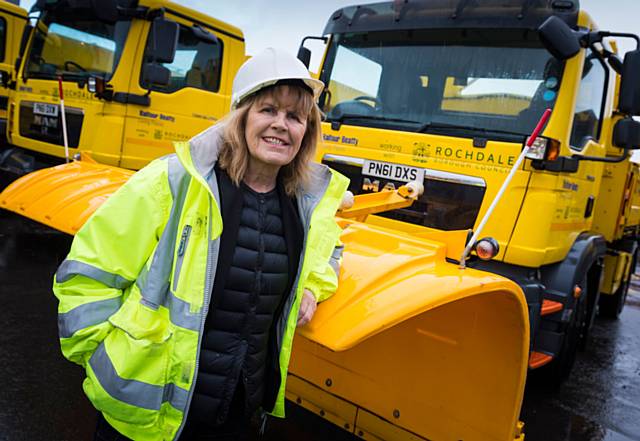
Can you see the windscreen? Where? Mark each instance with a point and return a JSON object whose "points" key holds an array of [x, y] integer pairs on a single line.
{"points": [[75, 48], [488, 82]]}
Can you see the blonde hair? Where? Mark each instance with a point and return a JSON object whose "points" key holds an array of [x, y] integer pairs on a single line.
{"points": [[234, 152]]}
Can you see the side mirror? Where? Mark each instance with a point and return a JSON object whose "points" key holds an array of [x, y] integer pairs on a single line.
{"points": [[24, 39], [626, 134], [304, 55], [163, 40], [629, 102], [155, 75], [558, 38]]}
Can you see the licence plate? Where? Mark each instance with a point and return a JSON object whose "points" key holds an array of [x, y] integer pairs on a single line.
{"points": [[45, 109], [396, 172]]}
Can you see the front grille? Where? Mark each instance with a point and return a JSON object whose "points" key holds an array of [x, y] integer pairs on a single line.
{"points": [[49, 129], [450, 201]]}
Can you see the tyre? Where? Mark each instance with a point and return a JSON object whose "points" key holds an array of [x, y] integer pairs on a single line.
{"points": [[611, 305]]}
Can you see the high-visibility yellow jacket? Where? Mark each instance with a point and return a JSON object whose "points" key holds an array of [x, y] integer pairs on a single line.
{"points": [[134, 290]]}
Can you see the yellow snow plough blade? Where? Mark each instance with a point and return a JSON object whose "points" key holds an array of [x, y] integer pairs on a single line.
{"points": [[409, 348], [63, 197], [412, 347]]}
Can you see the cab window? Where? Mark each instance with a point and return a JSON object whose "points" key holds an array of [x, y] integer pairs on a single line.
{"points": [[196, 64], [587, 119]]}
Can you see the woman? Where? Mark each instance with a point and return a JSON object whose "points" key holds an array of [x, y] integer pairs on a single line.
{"points": [[181, 294]]}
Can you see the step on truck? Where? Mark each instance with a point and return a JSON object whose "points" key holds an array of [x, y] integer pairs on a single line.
{"points": [[447, 93], [410, 347]]}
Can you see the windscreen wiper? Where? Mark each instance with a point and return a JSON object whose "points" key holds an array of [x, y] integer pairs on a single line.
{"points": [[428, 126], [66, 76], [337, 122]]}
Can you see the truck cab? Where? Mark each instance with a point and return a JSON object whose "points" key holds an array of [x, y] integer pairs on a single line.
{"points": [[125, 102]]}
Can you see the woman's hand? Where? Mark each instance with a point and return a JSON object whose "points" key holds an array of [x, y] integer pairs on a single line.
{"points": [[308, 307]]}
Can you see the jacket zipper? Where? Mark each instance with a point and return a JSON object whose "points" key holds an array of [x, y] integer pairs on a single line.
{"points": [[184, 241]]}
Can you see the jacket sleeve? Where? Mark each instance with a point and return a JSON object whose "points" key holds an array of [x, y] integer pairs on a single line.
{"points": [[106, 256], [323, 281]]}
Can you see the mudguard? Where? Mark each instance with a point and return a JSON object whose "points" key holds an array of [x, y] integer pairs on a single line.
{"points": [[410, 347], [560, 278], [564, 275]]}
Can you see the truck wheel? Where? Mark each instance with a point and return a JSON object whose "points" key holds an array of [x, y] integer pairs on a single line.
{"points": [[558, 370], [611, 305]]}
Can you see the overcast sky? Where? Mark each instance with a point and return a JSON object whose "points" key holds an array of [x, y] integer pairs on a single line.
{"points": [[283, 23]]}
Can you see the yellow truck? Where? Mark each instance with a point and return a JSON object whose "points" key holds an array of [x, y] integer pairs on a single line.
{"points": [[12, 23], [126, 99], [449, 94]]}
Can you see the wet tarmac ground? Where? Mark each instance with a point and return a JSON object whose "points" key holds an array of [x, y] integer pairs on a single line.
{"points": [[41, 396]]}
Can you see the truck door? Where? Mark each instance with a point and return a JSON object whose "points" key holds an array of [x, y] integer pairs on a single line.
{"points": [[196, 97], [12, 21], [579, 189]]}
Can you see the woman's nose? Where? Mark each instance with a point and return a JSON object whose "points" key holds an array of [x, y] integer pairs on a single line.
{"points": [[279, 121]]}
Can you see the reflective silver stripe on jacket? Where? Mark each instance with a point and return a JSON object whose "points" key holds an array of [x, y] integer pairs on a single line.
{"points": [[334, 261], [70, 268], [86, 315], [93, 313], [134, 392], [154, 282]]}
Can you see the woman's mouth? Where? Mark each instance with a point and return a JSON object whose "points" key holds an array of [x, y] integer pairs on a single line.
{"points": [[274, 141]]}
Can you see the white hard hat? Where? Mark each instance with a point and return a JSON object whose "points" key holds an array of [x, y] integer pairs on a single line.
{"points": [[266, 69]]}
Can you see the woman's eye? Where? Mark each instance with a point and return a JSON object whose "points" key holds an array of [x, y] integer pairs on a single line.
{"points": [[268, 110], [294, 116]]}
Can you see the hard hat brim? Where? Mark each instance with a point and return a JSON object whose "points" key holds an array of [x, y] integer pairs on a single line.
{"points": [[316, 87]]}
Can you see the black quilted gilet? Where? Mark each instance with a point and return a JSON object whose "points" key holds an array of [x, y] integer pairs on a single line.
{"points": [[235, 343]]}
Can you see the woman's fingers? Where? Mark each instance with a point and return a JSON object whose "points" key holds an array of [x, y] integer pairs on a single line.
{"points": [[308, 307]]}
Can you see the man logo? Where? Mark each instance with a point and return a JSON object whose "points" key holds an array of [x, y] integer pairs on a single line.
{"points": [[374, 185]]}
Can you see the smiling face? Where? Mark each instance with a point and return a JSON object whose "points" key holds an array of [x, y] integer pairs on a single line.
{"points": [[274, 129]]}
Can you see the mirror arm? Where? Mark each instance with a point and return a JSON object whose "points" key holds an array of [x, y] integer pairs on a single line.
{"points": [[152, 14], [589, 38], [625, 155], [309, 37]]}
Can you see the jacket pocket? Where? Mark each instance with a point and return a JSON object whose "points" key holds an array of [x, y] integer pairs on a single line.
{"points": [[127, 374], [126, 378]]}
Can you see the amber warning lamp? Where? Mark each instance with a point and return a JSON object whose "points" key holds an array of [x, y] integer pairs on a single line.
{"points": [[525, 151]]}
